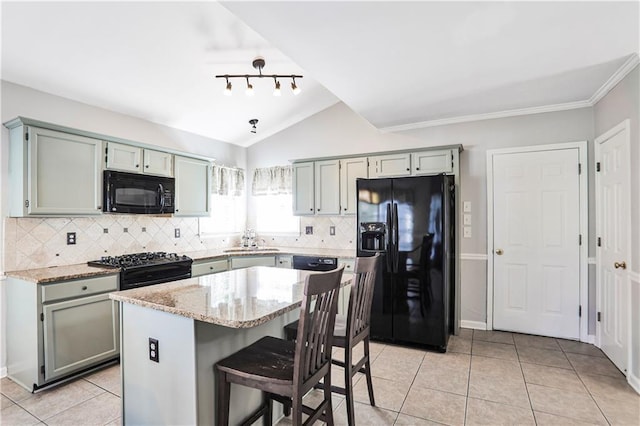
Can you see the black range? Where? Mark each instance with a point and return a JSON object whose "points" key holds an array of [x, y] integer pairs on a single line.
{"points": [[143, 269]]}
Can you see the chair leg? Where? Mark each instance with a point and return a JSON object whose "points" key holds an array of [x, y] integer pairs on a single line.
{"points": [[327, 397], [367, 366], [348, 384], [223, 397], [296, 408], [268, 415]]}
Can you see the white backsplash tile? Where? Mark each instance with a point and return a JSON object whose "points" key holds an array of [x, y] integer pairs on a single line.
{"points": [[344, 238]]}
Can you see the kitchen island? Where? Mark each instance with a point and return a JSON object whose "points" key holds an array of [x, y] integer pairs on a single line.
{"points": [[197, 322]]}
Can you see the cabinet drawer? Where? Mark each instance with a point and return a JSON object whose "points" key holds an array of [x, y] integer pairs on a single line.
{"points": [[249, 261], [210, 267], [79, 288]]}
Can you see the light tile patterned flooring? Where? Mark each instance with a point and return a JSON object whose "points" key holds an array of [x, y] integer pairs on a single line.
{"points": [[486, 377]]}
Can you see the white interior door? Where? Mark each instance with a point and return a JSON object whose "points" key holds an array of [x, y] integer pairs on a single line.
{"points": [[536, 241], [613, 245]]}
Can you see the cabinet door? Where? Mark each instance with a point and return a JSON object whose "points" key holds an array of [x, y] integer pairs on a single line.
{"points": [[158, 163], [432, 162], [249, 261], [327, 187], [65, 174], [390, 165], [208, 267], [350, 170], [192, 187], [79, 333], [303, 197], [284, 261], [124, 157]]}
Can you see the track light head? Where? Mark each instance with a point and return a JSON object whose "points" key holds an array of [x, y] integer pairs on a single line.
{"points": [[294, 86], [276, 90], [249, 90], [227, 90]]}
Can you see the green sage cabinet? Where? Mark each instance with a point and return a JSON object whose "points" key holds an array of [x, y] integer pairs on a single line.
{"points": [[193, 182], [134, 159], [53, 173], [55, 330]]}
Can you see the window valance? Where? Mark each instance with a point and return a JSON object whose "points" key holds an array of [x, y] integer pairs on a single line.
{"points": [[227, 181], [272, 180]]}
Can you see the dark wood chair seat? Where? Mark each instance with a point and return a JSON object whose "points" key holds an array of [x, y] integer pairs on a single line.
{"points": [[349, 330], [285, 370]]}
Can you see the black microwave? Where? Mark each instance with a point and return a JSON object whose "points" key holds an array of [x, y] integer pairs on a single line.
{"points": [[137, 193]]}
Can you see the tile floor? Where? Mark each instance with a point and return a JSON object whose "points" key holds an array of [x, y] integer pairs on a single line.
{"points": [[486, 377]]}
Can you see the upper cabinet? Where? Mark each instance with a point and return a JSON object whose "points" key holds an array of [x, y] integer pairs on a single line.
{"points": [[303, 189], [390, 165], [54, 173], [350, 170], [432, 162], [327, 187], [134, 159], [192, 186]]}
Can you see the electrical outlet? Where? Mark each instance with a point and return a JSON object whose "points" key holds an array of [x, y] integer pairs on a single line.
{"points": [[176, 232], [332, 230], [308, 230], [71, 238], [154, 350]]}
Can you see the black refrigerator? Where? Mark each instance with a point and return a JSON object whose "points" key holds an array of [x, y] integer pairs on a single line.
{"points": [[410, 222]]}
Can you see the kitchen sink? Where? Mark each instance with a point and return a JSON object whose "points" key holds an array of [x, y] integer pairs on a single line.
{"points": [[250, 249]]}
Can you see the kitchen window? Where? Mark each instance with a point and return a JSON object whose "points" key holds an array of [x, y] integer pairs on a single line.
{"points": [[228, 211], [273, 199]]}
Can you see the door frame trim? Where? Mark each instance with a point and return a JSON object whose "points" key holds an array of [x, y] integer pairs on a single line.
{"points": [[623, 126], [582, 148]]}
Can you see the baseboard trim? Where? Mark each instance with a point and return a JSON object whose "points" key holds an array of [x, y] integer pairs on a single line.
{"points": [[476, 325], [3, 372], [634, 381]]}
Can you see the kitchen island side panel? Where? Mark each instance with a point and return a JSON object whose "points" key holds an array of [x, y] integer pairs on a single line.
{"points": [[215, 342], [161, 392]]}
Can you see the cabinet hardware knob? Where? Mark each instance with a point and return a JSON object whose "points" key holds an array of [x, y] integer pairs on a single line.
{"points": [[318, 209], [211, 267], [146, 167], [499, 252], [408, 169], [310, 210], [84, 287], [417, 168], [99, 207], [137, 165], [345, 209], [621, 265]]}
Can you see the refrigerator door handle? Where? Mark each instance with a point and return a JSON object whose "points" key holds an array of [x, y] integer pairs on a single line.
{"points": [[389, 238], [396, 243]]}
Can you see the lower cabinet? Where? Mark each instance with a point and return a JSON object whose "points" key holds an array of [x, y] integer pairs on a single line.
{"points": [[205, 267], [284, 261], [55, 330], [240, 262]]}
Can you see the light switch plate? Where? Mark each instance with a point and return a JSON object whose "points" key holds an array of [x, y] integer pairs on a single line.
{"points": [[467, 219], [466, 233], [332, 230], [466, 206]]}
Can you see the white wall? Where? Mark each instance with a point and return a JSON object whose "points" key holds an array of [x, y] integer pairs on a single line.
{"points": [[22, 101], [339, 131], [623, 102]]}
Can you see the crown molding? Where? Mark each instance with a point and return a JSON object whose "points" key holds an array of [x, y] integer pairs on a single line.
{"points": [[488, 116], [617, 76], [631, 62]]}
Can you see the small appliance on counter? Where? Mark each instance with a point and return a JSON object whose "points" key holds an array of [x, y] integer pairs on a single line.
{"points": [[143, 269]]}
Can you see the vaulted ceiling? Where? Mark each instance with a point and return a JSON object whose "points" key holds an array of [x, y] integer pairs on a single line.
{"points": [[397, 64]]}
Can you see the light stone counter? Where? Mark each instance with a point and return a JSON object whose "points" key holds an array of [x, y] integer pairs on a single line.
{"points": [[242, 298], [232, 251], [60, 273]]}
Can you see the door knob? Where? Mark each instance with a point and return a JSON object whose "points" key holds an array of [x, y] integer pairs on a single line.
{"points": [[621, 265], [499, 252]]}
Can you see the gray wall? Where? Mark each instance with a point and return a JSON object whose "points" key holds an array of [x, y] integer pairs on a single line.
{"points": [[623, 102], [339, 131]]}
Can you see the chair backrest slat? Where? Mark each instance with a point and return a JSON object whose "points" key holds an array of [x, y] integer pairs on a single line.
{"points": [[315, 330], [359, 311]]}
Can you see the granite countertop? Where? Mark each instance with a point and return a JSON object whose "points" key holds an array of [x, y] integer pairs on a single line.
{"points": [[61, 273], [70, 272], [242, 298]]}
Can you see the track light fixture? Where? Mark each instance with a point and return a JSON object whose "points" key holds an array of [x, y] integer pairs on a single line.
{"points": [[259, 63]]}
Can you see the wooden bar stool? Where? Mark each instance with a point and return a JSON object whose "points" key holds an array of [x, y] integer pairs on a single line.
{"points": [[350, 330], [284, 370]]}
